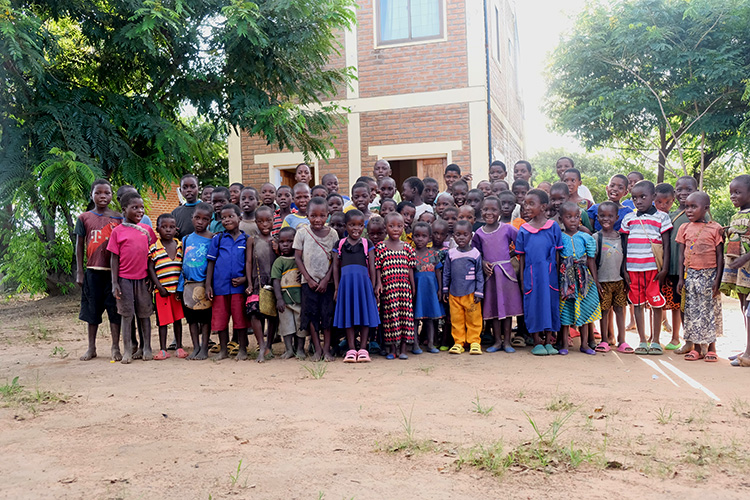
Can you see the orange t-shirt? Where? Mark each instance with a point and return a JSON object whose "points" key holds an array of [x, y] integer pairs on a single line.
{"points": [[700, 240]]}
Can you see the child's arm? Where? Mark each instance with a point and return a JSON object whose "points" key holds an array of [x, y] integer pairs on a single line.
{"points": [[666, 238], [591, 264], [210, 279], [114, 263], [439, 276], [371, 269], [739, 261], [240, 280], [303, 270], [719, 268], [152, 274], [411, 279], [521, 266], [280, 305], [378, 285], [336, 277], [446, 277], [681, 266], [479, 281], [80, 244]]}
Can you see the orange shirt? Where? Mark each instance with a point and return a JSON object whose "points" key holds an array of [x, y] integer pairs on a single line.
{"points": [[700, 240]]}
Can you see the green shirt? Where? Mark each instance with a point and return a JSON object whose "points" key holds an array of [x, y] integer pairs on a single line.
{"points": [[285, 270]]}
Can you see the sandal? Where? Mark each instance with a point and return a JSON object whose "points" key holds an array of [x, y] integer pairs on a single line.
{"points": [[551, 349], [172, 346], [456, 349], [672, 347], [588, 350], [562, 352], [518, 342], [181, 353], [602, 347], [390, 356], [711, 357], [475, 348], [363, 356], [162, 355], [539, 350], [509, 349], [655, 349], [693, 356], [215, 348], [351, 356], [642, 349], [624, 348]]}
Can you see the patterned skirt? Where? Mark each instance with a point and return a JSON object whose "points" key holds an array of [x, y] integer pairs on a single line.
{"points": [[703, 322]]}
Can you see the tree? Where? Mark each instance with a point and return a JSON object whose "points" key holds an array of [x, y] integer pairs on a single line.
{"points": [[655, 76], [103, 83]]}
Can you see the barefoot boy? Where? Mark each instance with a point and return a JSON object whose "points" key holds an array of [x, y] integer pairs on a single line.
{"points": [[286, 287]]}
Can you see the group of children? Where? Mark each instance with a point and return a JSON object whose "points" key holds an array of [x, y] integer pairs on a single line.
{"points": [[392, 272]]}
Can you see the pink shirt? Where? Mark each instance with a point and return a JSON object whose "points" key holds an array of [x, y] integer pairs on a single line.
{"points": [[132, 245]]}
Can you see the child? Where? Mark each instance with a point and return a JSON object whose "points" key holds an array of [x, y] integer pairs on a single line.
{"points": [[736, 276], [249, 204], [648, 232], [633, 178], [387, 206], [559, 194], [545, 186], [564, 163], [284, 201], [579, 296], [331, 182], [184, 213], [443, 201], [522, 171], [498, 187], [520, 189], [219, 198], [572, 179], [319, 190], [460, 191], [335, 203], [663, 202], [428, 281], [313, 244], [502, 297], [386, 188], [612, 278], [394, 263], [439, 234], [192, 283], [268, 195], [302, 174], [427, 217], [299, 218], [376, 230], [260, 247], [226, 276], [538, 243], [498, 171], [125, 188], [463, 289], [485, 187], [129, 245], [431, 190], [164, 269], [354, 280], [664, 199], [507, 206], [407, 211], [206, 194], [474, 199], [412, 190], [701, 259], [616, 190], [286, 287], [451, 174], [361, 197], [336, 221], [93, 230], [450, 216], [235, 190]]}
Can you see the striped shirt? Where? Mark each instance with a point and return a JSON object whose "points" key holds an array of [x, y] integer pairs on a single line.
{"points": [[644, 228], [167, 270]]}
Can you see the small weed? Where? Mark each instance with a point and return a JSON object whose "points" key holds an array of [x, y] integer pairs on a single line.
{"points": [[426, 369], [316, 370], [11, 389], [741, 407], [14, 394], [60, 352], [549, 436], [37, 330], [664, 415], [235, 476], [481, 409], [490, 458], [520, 394], [560, 403], [408, 443]]}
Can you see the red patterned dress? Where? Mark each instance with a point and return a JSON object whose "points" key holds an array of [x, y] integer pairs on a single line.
{"points": [[396, 298]]}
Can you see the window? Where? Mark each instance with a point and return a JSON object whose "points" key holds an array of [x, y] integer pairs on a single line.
{"points": [[409, 20], [497, 34]]}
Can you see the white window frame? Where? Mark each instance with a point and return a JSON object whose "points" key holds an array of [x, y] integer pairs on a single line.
{"points": [[441, 37]]}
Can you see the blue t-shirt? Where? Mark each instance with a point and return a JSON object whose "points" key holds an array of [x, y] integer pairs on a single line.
{"points": [[194, 259], [593, 213], [229, 255]]}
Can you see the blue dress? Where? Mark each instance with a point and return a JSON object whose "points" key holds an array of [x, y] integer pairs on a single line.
{"points": [[355, 304], [583, 307], [541, 294], [427, 305]]}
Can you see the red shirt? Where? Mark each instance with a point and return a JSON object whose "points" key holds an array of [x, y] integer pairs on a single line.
{"points": [[132, 244]]}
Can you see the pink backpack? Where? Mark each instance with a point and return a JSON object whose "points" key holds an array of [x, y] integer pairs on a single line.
{"points": [[364, 245]]}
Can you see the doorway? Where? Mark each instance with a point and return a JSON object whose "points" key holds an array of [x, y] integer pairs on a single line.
{"points": [[286, 176], [419, 167]]}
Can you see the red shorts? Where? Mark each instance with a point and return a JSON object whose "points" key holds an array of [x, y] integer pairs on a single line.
{"points": [[643, 289], [168, 309], [226, 306]]}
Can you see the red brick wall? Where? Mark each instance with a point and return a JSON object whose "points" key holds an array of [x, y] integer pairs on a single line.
{"points": [[158, 205]]}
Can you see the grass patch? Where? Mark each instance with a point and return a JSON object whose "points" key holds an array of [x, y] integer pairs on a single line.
{"points": [[408, 442], [426, 369], [741, 407], [664, 415], [316, 370], [15, 395], [480, 408], [560, 402], [59, 352]]}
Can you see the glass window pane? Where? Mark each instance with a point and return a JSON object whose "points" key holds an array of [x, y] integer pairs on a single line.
{"points": [[425, 18], [394, 19]]}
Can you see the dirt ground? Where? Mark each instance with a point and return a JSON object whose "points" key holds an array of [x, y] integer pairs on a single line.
{"points": [[432, 427]]}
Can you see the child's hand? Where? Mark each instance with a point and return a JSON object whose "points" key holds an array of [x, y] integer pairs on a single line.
{"points": [[601, 290], [680, 285], [377, 291], [209, 292], [739, 262], [661, 277], [239, 281], [312, 284], [440, 295], [445, 298], [487, 268], [162, 291], [717, 287], [79, 277], [179, 296], [626, 282], [477, 299], [116, 291], [335, 294], [249, 290], [280, 306], [323, 285]]}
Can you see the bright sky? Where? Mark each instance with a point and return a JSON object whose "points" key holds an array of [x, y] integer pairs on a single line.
{"points": [[540, 23]]}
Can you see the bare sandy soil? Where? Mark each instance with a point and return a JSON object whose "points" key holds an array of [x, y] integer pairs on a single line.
{"points": [[431, 427]]}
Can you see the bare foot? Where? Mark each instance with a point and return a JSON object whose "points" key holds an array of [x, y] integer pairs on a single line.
{"points": [[201, 355], [116, 355], [301, 355], [260, 359], [148, 355], [630, 327], [316, 355], [287, 355], [223, 354], [328, 358], [192, 354], [126, 359], [138, 354], [241, 355], [90, 354]]}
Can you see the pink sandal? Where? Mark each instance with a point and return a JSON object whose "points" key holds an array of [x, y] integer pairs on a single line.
{"points": [[602, 347], [624, 348], [181, 353], [351, 356], [162, 355], [363, 356]]}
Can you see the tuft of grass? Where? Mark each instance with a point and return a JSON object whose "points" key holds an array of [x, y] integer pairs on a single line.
{"points": [[408, 443], [480, 408], [490, 458], [741, 407], [16, 395], [664, 415], [60, 352], [555, 429], [235, 476], [426, 369], [316, 370], [560, 402]]}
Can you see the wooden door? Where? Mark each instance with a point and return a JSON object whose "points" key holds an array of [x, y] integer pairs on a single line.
{"points": [[432, 167]]}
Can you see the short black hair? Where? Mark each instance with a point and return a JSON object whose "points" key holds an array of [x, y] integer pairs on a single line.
{"points": [[664, 188], [334, 195], [541, 196], [569, 206], [204, 207], [415, 183], [429, 180], [233, 207], [387, 178], [284, 186], [374, 220], [637, 173], [461, 182], [496, 199], [404, 204], [608, 204], [744, 179], [300, 185], [521, 183], [317, 201], [328, 176], [164, 217], [238, 184], [360, 184], [250, 188], [688, 178], [452, 168], [507, 187], [621, 177], [560, 187], [575, 171], [498, 163], [389, 200], [648, 185], [263, 209], [123, 189], [526, 163], [188, 176], [450, 209], [462, 223], [476, 191], [100, 182], [298, 167], [422, 225], [128, 196], [221, 189], [572, 163], [288, 229], [393, 215], [365, 179], [351, 214], [320, 186]]}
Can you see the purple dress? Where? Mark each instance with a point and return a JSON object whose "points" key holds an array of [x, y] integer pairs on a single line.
{"points": [[502, 296], [541, 292]]}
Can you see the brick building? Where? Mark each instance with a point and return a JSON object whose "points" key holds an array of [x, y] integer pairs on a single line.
{"points": [[437, 84]]}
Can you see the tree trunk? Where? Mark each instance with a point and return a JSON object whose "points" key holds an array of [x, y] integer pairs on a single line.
{"points": [[662, 154]]}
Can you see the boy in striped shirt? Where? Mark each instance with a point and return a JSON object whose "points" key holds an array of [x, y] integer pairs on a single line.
{"points": [[647, 229], [164, 268]]}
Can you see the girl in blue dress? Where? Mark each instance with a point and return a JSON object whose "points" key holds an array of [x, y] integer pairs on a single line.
{"points": [[428, 281], [354, 279], [537, 245]]}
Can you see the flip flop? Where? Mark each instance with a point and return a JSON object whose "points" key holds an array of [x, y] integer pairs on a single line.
{"points": [[475, 349], [444, 348], [509, 349], [181, 353], [602, 347], [390, 356], [434, 350], [351, 356], [588, 350], [416, 350], [655, 349], [172, 346], [711, 357], [403, 356], [539, 350], [518, 342], [550, 349], [672, 347], [624, 348], [562, 352], [642, 349], [693, 356], [574, 333], [363, 356], [215, 348], [456, 349], [161, 355], [492, 348]]}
